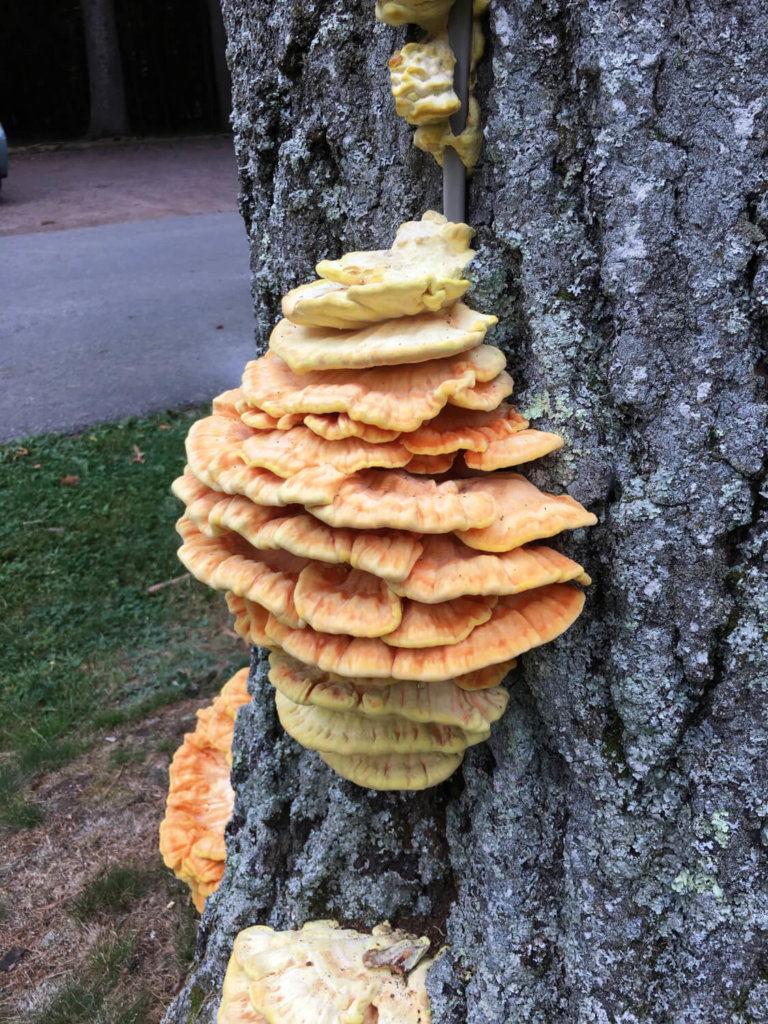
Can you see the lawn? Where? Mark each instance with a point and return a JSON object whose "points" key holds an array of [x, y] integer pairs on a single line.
{"points": [[87, 532], [100, 631]]}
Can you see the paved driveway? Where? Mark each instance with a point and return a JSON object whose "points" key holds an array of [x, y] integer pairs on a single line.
{"points": [[88, 185], [102, 322]]}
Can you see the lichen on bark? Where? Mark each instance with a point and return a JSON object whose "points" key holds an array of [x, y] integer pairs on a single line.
{"points": [[603, 857]]}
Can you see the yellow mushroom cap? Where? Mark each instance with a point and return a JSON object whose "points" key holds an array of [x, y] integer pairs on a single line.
{"points": [[447, 569], [338, 425], [431, 465], [250, 620], [334, 599], [345, 732], [390, 397], [226, 404], [431, 625], [396, 500], [230, 563], [433, 239], [402, 339], [388, 554], [485, 395], [421, 272], [436, 138], [505, 509], [236, 1006], [422, 80], [323, 974], [200, 798], [524, 446], [203, 504], [394, 771], [518, 623], [213, 446], [524, 513], [263, 421], [432, 15], [444, 702], [455, 429], [288, 452]]}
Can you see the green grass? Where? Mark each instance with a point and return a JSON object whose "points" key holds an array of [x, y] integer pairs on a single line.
{"points": [[97, 997], [85, 646], [113, 890]]}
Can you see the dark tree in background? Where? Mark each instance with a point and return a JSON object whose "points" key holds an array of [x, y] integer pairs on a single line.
{"points": [[109, 114], [602, 860], [75, 68]]}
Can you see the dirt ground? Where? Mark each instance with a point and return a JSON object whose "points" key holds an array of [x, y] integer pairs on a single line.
{"points": [[101, 810], [108, 184]]}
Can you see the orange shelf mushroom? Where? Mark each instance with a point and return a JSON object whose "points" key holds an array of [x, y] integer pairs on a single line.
{"points": [[354, 499], [200, 799]]}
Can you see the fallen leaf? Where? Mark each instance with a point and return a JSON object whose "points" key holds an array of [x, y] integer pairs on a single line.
{"points": [[69, 480], [36, 465], [20, 452], [139, 456], [219, 327], [165, 426]]}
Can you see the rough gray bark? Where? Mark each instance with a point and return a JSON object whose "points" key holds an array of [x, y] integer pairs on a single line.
{"points": [[109, 115], [603, 857]]}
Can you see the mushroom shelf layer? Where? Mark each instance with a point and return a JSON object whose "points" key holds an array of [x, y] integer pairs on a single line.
{"points": [[200, 799], [354, 499]]}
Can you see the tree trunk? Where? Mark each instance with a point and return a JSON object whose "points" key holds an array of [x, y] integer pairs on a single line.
{"points": [[105, 72], [603, 857]]}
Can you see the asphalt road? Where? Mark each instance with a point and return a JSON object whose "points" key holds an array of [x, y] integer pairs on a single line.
{"points": [[99, 323]]}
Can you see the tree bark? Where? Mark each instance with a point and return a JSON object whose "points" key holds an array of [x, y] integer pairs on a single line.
{"points": [[603, 857], [109, 114]]}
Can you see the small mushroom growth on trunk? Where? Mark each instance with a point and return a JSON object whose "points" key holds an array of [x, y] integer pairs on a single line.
{"points": [[200, 799], [348, 498], [327, 974], [422, 76]]}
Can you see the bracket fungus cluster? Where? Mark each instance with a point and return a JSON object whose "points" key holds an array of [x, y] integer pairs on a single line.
{"points": [[200, 799], [353, 498], [422, 77], [323, 973]]}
